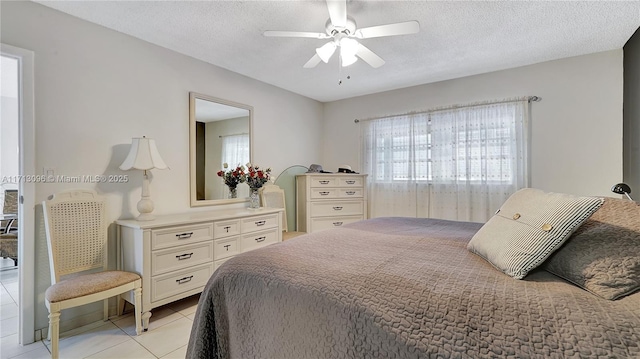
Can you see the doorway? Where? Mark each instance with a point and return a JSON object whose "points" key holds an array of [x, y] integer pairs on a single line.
{"points": [[17, 166]]}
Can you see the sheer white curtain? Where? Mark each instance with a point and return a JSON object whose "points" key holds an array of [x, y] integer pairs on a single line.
{"points": [[479, 157], [235, 149], [396, 160], [235, 152], [458, 163]]}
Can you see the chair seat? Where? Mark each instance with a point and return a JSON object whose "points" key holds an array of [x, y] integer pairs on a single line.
{"points": [[88, 284], [289, 235]]}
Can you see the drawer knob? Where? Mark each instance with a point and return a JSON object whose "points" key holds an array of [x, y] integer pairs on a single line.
{"points": [[184, 280], [184, 235], [226, 246], [227, 228], [324, 193], [351, 193], [260, 223], [337, 208], [350, 182], [324, 182], [184, 256], [261, 239], [337, 224]]}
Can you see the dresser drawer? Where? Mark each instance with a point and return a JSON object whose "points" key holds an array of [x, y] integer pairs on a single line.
{"points": [[171, 284], [324, 193], [259, 239], [178, 236], [350, 193], [226, 248], [351, 182], [324, 209], [322, 223], [259, 223], [323, 182], [226, 228], [173, 259]]}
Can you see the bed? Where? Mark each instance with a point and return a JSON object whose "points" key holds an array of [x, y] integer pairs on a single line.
{"points": [[402, 288]]}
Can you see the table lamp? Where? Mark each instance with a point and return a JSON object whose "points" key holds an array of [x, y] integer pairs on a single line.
{"points": [[622, 188], [144, 155]]}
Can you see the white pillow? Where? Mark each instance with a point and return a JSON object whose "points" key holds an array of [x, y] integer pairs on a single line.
{"points": [[529, 227]]}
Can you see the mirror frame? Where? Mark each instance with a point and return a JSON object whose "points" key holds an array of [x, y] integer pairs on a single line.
{"points": [[192, 148]]}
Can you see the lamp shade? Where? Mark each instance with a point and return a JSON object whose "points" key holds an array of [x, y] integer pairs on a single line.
{"points": [[326, 51], [143, 155]]}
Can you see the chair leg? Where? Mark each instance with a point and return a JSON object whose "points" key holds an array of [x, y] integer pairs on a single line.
{"points": [[138, 309], [105, 308], [54, 334], [121, 305]]}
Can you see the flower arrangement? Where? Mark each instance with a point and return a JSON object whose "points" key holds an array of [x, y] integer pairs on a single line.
{"points": [[232, 177], [255, 177]]}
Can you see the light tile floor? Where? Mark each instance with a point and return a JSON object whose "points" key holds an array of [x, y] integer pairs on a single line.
{"points": [[167, 337]]}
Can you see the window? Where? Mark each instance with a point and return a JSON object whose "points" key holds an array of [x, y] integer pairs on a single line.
{"points": [[455, 150], [235, 149]]}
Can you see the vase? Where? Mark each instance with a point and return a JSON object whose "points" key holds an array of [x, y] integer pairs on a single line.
{"points": [[233, 192], [254, 199]]}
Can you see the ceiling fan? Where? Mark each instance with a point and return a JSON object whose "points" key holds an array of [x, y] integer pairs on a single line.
{"points": [[343, 33]]}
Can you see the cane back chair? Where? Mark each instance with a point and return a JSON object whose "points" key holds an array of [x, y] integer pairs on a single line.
{"points": [[76, 229]]}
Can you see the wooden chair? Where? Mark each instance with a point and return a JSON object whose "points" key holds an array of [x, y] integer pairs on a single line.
{"points": [[272, 196], [76, 229]]}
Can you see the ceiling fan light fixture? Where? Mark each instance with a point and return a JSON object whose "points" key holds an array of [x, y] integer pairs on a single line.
{"points": [[348, 60], [343, 32], [326, 51], [348, 47]]}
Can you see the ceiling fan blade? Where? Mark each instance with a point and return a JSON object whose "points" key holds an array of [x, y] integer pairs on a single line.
{"points": [[313, 62], [369, 56], [313, 35], [400, 28], [338, 12]]}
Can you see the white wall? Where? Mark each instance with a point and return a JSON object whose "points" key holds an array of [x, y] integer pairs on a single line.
{"points": [[9, 123], [96, 88], [576, 129]]}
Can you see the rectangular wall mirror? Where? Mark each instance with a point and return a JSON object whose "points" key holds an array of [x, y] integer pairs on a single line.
{"points": [[219, 132]]}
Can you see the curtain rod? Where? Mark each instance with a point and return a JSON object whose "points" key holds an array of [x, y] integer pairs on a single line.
{"points": [[233, 134], [529, 99]]}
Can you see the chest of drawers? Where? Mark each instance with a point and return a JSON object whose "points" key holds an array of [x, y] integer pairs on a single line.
{"points": [[329, 200], [175, 255]]}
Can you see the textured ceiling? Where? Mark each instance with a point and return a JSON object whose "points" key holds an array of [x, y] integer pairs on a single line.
{"points": [[456, 39]]}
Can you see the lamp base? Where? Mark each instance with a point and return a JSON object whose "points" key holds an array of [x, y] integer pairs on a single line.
{"points": [[145, 217], [145, 205]]}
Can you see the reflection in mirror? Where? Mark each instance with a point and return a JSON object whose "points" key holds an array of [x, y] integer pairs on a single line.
{"points": [[220, 132], [287, 181]]}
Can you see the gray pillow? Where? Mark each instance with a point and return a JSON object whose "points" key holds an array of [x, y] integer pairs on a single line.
{"points": [[528, 227], [603, 255]]}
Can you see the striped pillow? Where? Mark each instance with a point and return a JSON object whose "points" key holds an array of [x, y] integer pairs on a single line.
{"points": [[529, 227]]}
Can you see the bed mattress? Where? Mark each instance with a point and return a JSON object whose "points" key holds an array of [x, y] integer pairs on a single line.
{"points": [[400, 288]]}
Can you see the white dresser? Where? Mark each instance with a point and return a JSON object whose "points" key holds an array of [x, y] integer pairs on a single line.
{"points": [[329, 200], [176, 254]]}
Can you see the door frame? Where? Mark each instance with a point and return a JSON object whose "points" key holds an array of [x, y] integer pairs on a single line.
{"points": [[26, 191]]}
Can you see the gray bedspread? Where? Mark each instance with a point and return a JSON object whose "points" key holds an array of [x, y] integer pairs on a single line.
{"points": [[400, 288]]}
